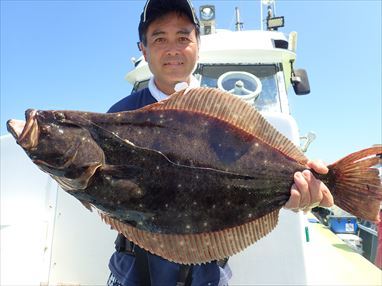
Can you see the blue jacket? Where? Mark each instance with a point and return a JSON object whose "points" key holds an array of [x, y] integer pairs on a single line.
{"points": [[162, 272]]}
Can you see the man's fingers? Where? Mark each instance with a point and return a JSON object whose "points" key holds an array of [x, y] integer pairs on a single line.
{"points": [[318, 166], [294, 200], [327, 198], [303, 187], [314, 186], [308, 192], [320, 194]]}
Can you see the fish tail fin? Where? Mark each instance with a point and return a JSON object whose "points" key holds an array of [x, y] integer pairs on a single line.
{"points": [[357, 185]]}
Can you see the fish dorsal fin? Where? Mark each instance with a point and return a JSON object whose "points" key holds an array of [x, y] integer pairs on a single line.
{"points": [[231, 109]]}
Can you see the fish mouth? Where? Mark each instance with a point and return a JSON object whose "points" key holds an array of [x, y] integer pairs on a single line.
{"points": [[25, 133]]}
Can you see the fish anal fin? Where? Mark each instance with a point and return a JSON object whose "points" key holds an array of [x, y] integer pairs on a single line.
{"points": [[198, 248], [231, 109]]}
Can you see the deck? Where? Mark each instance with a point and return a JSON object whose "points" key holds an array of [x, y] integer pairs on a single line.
{"points": [[330, 261]]}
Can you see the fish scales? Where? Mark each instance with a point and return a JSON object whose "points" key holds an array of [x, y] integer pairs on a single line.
{"points": [[189, 139], [211, 177], [217, 145]]}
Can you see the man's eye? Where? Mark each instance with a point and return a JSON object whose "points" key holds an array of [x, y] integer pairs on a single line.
{"points": [[184, 40], [159, 40]]}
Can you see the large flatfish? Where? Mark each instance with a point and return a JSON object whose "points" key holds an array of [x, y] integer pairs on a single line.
{"points": [[194, 178]]}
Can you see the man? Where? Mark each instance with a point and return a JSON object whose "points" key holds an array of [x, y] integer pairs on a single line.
{"points": [[169, 41]]}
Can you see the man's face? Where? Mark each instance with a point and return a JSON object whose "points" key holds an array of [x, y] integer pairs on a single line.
{"points": [[172, 50]]}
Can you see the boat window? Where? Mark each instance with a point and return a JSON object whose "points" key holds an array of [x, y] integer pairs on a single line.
{"points": [[268, 99]]}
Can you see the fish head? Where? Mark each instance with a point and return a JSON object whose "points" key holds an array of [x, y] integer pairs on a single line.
{"points": [[58, 146]]}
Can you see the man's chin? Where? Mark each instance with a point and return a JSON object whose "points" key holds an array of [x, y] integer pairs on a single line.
{"points": [[176, 77]]}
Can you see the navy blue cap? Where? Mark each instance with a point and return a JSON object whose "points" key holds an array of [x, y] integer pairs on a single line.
{"points": [[157, 8]]}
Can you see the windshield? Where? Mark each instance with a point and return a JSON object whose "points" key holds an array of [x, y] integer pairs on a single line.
{"points": [[268, 98]]}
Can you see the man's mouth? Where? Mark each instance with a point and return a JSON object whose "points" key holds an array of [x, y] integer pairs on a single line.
{"points": [[173, 63]]}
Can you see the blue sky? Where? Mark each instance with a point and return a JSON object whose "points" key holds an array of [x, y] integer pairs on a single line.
{"points": [[75, 54]]}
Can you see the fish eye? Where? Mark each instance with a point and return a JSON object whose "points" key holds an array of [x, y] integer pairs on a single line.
{"points": [[45, 128], [59, 116]]}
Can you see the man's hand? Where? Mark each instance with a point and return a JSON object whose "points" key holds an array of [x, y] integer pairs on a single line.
{"points": [[307, 192]]}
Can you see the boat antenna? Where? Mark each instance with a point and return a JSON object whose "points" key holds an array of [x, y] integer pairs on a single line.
{"points": [[271, 10], [239, 25], [273, 22], [269, 16]]}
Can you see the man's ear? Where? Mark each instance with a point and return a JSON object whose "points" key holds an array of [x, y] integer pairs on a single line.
{"points": [[142, 48]]}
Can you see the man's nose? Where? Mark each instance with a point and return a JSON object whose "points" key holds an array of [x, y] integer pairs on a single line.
{"points": [[172, 48]]}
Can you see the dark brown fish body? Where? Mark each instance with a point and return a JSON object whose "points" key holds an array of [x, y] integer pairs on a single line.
{"points": [[206, 175]]}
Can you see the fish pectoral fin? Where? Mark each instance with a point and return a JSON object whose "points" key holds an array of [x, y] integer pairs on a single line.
{"points": [[82, 161], [80, 182]]}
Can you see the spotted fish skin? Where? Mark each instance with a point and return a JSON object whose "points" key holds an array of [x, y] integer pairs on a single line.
{"points": [[192, 139], [174, 177], [195, 178]]}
